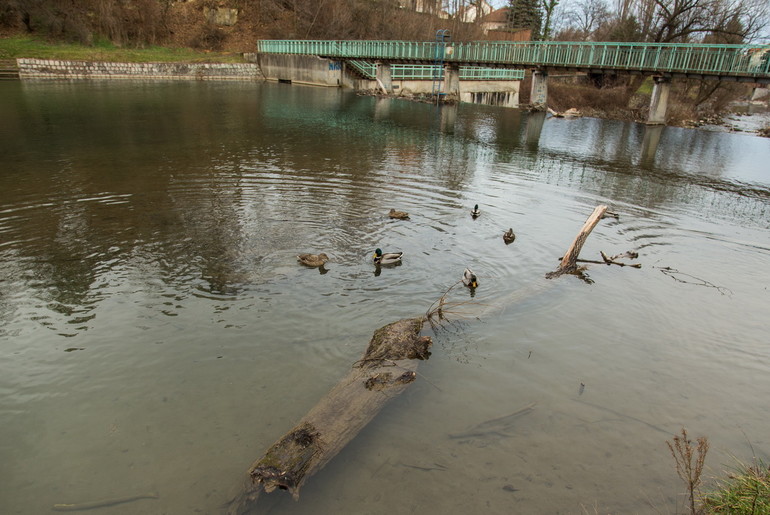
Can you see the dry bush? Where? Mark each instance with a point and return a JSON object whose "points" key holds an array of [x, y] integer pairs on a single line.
{"points": [[709, 96], [124, 23], [689, 464], [210, 37], [591, 101], [56, 19], [138, 23]]}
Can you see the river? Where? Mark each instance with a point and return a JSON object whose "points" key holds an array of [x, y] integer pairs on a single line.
{"points": [[157, 334]]}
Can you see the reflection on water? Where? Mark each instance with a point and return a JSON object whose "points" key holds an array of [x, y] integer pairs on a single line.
{"points": [[158, 333]]}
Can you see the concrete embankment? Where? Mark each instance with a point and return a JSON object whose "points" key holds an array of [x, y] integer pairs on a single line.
{"points": [[53, 69]]}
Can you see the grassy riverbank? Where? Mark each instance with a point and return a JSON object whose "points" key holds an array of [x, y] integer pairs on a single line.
{"points": [[745, 491], [17, 46]]}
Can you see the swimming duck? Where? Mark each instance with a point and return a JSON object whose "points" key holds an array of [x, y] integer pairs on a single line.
{"points": [[508, 236], [400, 215], [475, 211], [469, 278], [314, 260], [387, 258]]}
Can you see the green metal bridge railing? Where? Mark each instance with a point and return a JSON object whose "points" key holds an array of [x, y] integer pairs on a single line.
{"points": [[733, 61], [429, 72]]}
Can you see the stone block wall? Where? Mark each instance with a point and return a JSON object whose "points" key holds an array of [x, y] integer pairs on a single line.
{"points": [[52, 69]]}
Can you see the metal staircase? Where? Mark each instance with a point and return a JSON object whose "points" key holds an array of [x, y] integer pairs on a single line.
{"points": [[442, 38]]}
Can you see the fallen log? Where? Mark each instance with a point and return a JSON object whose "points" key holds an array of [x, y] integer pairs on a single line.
{"points": [[387, 367], [569, 261], [611, 260]]}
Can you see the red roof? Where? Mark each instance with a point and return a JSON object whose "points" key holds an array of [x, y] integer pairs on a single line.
{"points": [[496, 16]]}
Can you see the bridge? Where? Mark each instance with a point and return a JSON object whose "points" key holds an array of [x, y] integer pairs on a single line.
{"points": [[664, 62]]}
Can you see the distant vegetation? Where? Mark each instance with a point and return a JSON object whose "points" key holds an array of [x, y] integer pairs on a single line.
{"points": [[234, 24], [13, 47]]}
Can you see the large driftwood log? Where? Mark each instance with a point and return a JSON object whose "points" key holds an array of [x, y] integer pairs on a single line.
{"points": [[386, 368], [569, 261]]}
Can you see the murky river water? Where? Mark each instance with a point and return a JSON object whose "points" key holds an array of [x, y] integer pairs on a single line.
{"points": [[157, 333]]}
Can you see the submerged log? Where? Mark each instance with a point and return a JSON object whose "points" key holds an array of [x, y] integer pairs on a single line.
{"points": [[387, 367], [569, 261]]}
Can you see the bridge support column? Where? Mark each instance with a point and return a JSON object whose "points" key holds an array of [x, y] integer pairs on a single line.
{"points": [[452, 82], [384, 77], [659, 101], [538, 96]]}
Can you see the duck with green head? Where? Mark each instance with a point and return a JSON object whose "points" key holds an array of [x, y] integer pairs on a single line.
{"points": [[475, 211], [386, 258], [469, 279]]}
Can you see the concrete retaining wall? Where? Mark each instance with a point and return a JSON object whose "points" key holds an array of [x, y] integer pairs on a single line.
{"points": [[51, 69], [302, 69]]}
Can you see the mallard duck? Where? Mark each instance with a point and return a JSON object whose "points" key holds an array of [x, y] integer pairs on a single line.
{"points": [[475, 211], [469, 278], [314, 260], [401, 215], [387, 258], [508, 236]]}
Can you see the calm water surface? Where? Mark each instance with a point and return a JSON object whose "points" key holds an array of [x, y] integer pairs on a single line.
{"points": [[157, 333]]}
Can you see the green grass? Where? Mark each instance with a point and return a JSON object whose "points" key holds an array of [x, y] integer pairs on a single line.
{"points": [[645, 88], [745, 492], [25, 46]]}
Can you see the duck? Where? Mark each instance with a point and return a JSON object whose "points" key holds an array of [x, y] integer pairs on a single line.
{"points": [[469, 278], [475, 211], [387, 258], [314, 260], [400, 215], [508, 236]]}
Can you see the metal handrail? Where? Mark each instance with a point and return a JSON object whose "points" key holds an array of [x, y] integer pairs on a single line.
{"points": [[428, 72], [687, 58]]}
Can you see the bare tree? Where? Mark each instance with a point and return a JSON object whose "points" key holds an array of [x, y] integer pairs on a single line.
{"points": [[669, 21], [585, 17]]}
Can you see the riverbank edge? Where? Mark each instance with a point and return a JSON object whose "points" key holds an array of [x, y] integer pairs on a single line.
{"points": [[56, 69]]}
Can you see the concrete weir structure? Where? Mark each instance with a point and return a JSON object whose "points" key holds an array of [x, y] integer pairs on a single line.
{"points": [[320, 71]]}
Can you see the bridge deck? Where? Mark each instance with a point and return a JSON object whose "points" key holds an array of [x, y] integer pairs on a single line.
{"points": [[726, 62]]}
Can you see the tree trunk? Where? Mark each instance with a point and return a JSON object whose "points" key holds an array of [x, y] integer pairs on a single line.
{"points": [[386, 368], [569, 261]]}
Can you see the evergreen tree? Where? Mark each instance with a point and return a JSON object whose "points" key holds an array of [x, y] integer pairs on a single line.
{"points": [[526, 14]]}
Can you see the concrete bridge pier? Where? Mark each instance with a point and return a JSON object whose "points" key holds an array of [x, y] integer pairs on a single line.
{"points": [[384, 77], [452, 82], [538, 96], [659, 101]]}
